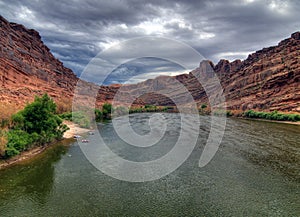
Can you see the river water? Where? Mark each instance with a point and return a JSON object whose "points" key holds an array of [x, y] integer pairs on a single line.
{"points": [[256, 172]]}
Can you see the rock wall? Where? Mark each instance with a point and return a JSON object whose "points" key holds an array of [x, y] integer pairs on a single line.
{"points": [[27, 67], [267, 80]]}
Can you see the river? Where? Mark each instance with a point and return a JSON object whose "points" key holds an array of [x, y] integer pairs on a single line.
{"points": [[256, 172]]}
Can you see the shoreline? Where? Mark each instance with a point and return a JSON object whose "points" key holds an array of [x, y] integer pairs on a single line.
{"points": [[267, 120], [26, 155], [239, 116], [22, 156], [75, 129]]}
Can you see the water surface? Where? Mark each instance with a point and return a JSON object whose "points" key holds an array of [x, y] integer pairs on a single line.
{"points": [[254, 173]]}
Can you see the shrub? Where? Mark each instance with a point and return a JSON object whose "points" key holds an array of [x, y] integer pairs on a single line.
{"points": [[272, 116], [203, 106], [3, 142], [19, 140], [229, 113], [66, 116], [106, 111], [98, 115], [36, 124]]}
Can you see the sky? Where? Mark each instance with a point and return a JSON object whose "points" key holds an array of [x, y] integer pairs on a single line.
{"points": [[77, 31]]}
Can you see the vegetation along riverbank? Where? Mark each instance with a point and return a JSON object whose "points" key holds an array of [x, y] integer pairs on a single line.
{"points": [[31, 130]]}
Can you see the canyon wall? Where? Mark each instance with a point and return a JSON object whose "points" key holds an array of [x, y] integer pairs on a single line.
{"points": [[267, 80]]}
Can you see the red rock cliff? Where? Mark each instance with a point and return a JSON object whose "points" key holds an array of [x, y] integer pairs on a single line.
{"points": [[27, 66], [267, 80]]}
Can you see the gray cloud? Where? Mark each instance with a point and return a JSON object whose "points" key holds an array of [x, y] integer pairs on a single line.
{"points": [[76, 31], [141, 69]]}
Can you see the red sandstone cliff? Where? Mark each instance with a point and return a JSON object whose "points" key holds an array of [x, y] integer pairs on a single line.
{"points": [[267, 80], [28, 68]]}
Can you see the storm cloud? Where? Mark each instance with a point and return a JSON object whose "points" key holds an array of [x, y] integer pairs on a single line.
{"points": [[76, 31]]}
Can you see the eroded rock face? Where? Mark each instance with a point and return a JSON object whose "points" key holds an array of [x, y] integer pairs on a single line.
{"points": [[27, 66], [268, 79]]}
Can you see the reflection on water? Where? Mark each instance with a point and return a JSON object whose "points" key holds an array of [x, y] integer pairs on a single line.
{"points": [[34, 178], [254, 173]]}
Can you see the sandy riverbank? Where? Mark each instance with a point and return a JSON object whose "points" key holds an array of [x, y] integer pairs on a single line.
{"points": [[74, 130]]}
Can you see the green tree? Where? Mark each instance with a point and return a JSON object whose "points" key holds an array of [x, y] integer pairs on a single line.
{"points": [[107, 110], [36, 124], [98, 115]]}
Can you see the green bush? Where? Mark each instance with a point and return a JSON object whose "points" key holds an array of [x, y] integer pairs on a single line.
{"points": [[107, 111], [19, 141], [203, 106], [66, 116], [36, 124], [272, 116], [98, 115], [11, 151]]}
